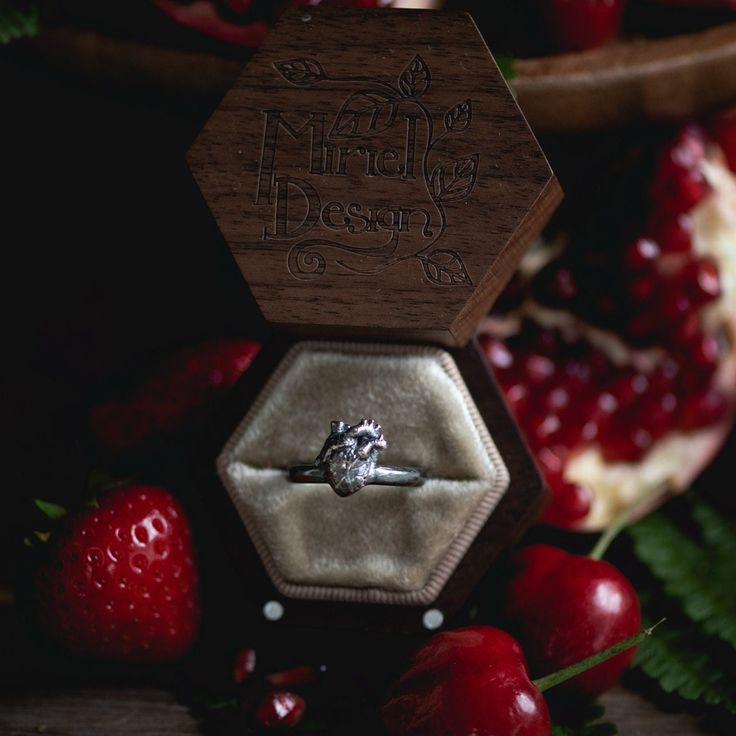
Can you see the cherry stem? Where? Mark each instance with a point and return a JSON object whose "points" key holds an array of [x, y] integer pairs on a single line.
{"points": [[621, 522], [556, 678]]}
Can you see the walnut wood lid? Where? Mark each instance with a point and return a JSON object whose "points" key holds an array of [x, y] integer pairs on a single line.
{"points": [[373, 175]]}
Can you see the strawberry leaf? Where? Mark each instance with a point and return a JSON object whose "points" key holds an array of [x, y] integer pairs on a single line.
{"points": [[699, 573], [52, 510], [17, 20]]}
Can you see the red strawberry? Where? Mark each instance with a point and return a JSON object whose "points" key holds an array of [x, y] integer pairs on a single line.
{"points": [[188, 380], [122, 582]]}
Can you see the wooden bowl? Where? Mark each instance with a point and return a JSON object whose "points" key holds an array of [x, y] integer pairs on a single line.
{"points": [[660, 79]]}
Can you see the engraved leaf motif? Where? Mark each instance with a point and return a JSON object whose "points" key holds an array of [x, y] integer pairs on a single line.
{"points": [[301, 72], [445, 267], [364, 112], [414, 81], [454, 181], [458, 118]]}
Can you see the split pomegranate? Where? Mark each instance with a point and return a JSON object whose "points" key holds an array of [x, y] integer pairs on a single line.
{"points": [[619, 363]]}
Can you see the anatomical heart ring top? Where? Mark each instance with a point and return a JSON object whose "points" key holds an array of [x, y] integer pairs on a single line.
{"points": [[349, 458]]}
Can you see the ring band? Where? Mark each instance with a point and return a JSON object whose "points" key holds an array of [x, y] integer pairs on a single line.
{"points": [[348, 461]]}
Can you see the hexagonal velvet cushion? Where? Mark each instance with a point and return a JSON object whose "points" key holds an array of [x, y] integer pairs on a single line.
{"points": [[373, 175], [384, 544]]}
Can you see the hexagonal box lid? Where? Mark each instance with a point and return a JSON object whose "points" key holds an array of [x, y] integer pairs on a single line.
{"points": [[373, 175]]}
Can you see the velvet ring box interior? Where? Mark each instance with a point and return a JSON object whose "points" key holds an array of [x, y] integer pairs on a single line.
{"points": [[377, 186]]}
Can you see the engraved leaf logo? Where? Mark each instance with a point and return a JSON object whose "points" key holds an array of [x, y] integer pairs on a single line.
{"points": [[301, 72], [414, 81], [457, 118], [364, 112], [445, 267], [454, 181]]}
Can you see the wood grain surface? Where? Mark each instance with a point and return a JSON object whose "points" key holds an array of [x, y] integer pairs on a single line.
{"points": [[654, 79], [154, 712], [373, 175]]}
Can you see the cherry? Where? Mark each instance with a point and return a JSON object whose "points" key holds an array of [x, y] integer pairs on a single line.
{"points": [[567, 607], [582, 24], [467, 681], [280, 709]]}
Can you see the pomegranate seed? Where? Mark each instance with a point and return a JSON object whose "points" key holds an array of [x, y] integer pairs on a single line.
{"points": [[657, 414], [642, 327], [245, 665], [675, 305], [688, 330], [688, 149], [665, 376], [516, 396], [642, 288], [674, 234], [556, 398], [542, 427], [280, 709], [624, 445], [570, 503], [704, 350], [626, 388], [555, 284], [642, 252], [552, 460], [723, 131], [499, 356], [703, 409], [537, 368], [681, 190], [705, 281]]}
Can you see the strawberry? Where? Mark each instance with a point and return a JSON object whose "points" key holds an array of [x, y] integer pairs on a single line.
{"points": [[189, 379], [122, 581]]}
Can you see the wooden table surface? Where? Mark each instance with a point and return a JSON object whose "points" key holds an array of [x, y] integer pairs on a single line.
{"points": [[153, 712]]}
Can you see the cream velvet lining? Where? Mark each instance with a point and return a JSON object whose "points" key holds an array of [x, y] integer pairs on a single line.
{"points": [[384, 544]]}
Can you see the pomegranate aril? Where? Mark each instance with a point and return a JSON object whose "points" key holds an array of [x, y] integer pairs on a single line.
{"points": [[541, 428], [704, 351], [675, 305], [499, 356], [665, 376], [556, 399], [245, 665], [686, 190], [657, 414], [641, 253], [702, 409], [704, 281], [570, 504], [517, 398], [674, 234], [555, 284], [723, 130], [626, 444], [280, 709], [688, 149], [537, 368], [642, 288], [628, 387]]}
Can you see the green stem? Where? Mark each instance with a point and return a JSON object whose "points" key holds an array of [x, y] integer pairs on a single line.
{"points": [[621, 522], [556, 678]]}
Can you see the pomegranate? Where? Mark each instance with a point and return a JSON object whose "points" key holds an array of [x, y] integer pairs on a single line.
{"points": [[242, 22], [619, 363]]}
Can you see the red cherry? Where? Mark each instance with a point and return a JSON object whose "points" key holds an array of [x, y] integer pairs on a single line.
{"points": [[582, 24], [280, 709], [467, 681], [567, 607]]}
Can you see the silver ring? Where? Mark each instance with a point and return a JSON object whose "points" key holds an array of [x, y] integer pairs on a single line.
{"points": [[348, 461]]}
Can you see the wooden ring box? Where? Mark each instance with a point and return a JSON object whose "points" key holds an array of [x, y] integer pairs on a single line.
{"points": [[377, 186]]}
